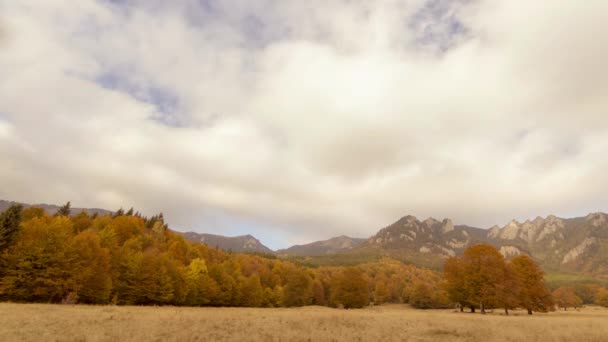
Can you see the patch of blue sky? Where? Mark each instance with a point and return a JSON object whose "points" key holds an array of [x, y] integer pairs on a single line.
{"points": [[225, 224], [437, 26], [165, 101]]}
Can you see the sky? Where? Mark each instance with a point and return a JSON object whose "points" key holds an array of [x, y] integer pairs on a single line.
{"points": [[296, 121]]}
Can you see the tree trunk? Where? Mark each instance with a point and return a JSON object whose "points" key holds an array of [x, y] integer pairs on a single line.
{"points": [[461, 308], [506, 311], [472, 309], [482, 309], [529, 312]]}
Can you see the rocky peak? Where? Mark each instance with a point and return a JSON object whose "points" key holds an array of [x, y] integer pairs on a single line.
{"points": [[596, 219], [430, 222], [447, 226]]}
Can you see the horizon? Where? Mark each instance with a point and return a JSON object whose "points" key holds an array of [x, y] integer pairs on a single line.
{"points": [[296, 122], [287, 245]]}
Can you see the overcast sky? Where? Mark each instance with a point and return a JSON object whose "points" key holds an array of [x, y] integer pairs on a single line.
{"points": [[302, 120]]}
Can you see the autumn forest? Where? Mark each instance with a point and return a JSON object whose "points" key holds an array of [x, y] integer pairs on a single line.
{"points": [[128, 259]]}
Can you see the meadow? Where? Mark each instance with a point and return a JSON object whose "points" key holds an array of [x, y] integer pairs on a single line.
{"points": [[50, 322]]}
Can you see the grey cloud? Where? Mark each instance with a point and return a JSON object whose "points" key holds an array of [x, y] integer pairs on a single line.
{"points": [[308, 120]]}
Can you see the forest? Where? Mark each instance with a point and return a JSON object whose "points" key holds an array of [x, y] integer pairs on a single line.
{"points": [[128, 259]]}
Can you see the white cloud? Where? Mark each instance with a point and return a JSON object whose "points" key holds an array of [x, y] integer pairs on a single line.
{"points": [[307, 120]]}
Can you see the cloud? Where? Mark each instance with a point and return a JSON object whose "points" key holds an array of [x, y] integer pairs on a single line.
{"points": [[306, 120]]}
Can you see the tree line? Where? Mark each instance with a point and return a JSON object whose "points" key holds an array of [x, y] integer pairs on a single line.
{"points": [[128, 259]]}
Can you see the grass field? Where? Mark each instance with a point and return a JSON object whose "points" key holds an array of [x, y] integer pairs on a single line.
{"points": [[38, 322]]}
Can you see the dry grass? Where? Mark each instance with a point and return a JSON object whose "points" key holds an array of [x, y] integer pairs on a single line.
{"points": [[37, 322]]}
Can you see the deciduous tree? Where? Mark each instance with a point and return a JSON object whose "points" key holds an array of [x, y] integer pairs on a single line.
{"points": [[565, 297], [350, 288], [532, 294]]}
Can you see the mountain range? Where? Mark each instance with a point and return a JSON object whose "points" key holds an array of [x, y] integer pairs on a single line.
{"points": [[51, 209], [578, 245]]}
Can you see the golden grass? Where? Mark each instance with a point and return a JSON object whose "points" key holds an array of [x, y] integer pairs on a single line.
{"points": [[39, 322]]}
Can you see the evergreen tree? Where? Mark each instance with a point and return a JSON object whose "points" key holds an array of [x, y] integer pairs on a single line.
{"points": [[64, 210], [10, 220], [119, 212]]}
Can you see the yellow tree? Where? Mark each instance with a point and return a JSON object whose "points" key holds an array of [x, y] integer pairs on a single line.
{"points": [[252, 291], [90, 268], [454, 282], [601, 297], [37, 268], [350, 288], [298, 287]]}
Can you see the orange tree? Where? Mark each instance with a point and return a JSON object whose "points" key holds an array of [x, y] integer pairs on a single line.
{"points": [[532, 294]]}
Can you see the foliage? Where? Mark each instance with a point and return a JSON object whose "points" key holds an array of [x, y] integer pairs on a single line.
{"points": [[601, 297], [565, 297], [483, 278], [9, 225], [64, 210], [350, 288], [130, 259]]}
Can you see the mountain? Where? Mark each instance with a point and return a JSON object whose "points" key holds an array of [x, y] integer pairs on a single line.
{"points": [[575, 244], [425, 243], [52, 209], [334, 245], [578, 245], [561, 245], [239, 244]]}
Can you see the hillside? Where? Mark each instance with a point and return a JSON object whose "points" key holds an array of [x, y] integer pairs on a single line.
{"points": [[569, 245], [334, 245], [578, 245], [238, 244], [51, 209]]}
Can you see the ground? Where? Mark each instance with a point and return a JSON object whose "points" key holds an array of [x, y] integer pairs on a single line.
{"points": [[41, 322]]}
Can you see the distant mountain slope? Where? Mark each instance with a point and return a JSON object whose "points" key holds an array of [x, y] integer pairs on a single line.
{"points": [[331, 246], [52, 209], [569, 245], [575, 244], [238, 244]]}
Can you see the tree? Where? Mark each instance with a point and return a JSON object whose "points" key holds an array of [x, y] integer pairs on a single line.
{"points": [[119, 212], [350, 288], [37, 267], [252, 291], [532, 294], [32, 212], [565, 297], [81, 222], [601, 297], [587, 292], [484, 271], [298, 288], [508, 290], [318, 292], [454, 282], [381, 293], [64, 210], [422, 297], [10, 220], [90, 269]]}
